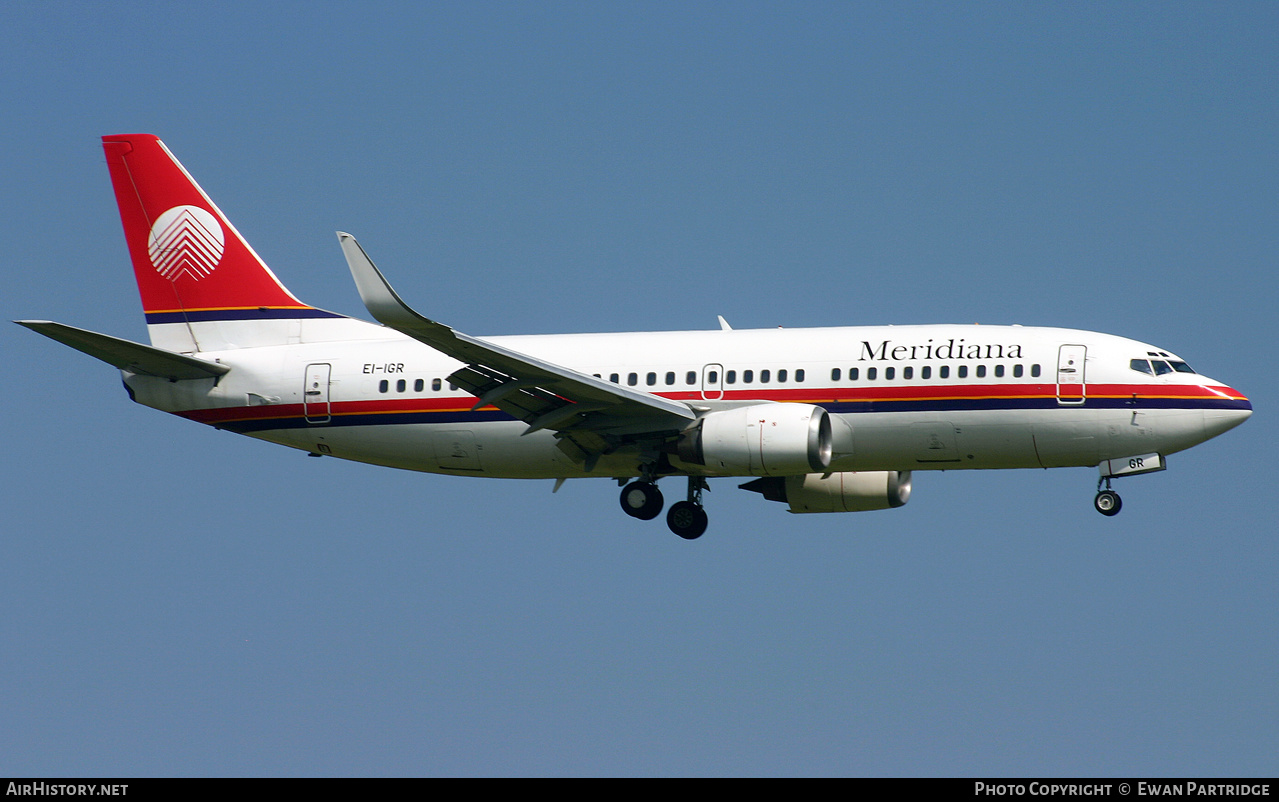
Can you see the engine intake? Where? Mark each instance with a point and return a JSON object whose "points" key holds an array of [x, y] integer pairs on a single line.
{"points": [[850, 491], [760, 440]]}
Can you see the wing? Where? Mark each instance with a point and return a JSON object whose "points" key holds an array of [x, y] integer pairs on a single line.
{"points": [[589, 415]]}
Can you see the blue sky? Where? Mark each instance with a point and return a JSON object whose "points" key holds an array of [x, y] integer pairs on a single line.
{"points": [[182, 601]]}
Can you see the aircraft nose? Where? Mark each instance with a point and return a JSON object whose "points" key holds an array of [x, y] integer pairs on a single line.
{"points": [[1235, 410]]}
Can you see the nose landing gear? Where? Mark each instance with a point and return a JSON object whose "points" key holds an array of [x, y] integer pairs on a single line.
{"points": [[1107, 502]]}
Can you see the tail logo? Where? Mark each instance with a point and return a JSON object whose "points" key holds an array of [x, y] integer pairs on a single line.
{"points": [[186, 240]]}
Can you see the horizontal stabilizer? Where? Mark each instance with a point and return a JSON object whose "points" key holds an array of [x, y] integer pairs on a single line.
{"points": [[127, 355]]}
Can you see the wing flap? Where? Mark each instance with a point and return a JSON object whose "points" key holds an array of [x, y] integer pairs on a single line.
{"points": [[519, 398]]}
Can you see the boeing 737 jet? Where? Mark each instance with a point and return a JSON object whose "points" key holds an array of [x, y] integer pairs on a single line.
{"points": [[821, 419]]}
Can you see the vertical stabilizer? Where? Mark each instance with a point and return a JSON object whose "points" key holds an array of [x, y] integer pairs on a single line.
{"points": [[202, 286]]}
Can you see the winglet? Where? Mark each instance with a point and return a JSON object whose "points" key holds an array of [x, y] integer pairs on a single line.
{"points": [[382, 301], [387, 308]]}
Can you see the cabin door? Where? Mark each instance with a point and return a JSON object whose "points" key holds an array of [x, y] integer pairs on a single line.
{"points": [[1071, 388]]}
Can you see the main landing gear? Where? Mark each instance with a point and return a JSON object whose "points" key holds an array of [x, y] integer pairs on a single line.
{"points": [[1107, 501], [641, 499]]}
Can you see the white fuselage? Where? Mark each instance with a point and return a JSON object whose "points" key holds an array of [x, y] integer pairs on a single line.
{"points": [[900, 397]]}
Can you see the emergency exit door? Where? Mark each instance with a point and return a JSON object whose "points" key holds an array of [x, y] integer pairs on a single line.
{"points": [[315, 393]]}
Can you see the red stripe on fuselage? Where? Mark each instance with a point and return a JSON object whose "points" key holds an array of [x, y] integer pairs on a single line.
{"points": [[1009, 392]]}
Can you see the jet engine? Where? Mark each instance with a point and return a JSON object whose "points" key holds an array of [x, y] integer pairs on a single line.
{"points": [[850, 491], [760, 440]]}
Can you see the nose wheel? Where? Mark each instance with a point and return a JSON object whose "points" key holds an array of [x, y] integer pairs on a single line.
{"points": [[1107, 502]]}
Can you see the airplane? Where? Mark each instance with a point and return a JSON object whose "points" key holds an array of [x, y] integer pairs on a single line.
{"points": [[821, 419]]}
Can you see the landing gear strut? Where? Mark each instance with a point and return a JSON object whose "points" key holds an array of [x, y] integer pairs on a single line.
{"points": [[687, 518], [1107, 501]]}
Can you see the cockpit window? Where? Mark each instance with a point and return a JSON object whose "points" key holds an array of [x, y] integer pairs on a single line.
{"points": [[1159, 367], [1141, 366]]}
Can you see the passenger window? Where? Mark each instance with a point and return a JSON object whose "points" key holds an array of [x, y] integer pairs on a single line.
{"points": [[981, 371], [748, 376], [436, 384], [871, 373], [852, 374], [908, 373], [401, 386], [419, 385], [1141, 366], [781, 375], [690, 377], [730, 377], [1017, 371], [890, 374], [1034, 371], [944, 371], [763, 376], [999, 371], [670, 377], [614, 378], [383, 386], [712, 378], [963, 371], [632, 379], [926, 372], [834, 374], [650, 379]]}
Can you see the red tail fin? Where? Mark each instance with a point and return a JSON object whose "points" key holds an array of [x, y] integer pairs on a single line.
{"points": [[190, 262]]}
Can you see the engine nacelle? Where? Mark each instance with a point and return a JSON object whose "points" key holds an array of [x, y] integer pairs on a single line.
{"points": [[850, 491], [760, 440]]}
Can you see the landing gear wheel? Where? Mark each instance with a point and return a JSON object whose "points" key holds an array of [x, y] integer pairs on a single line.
{"points": [[686, 519], [1108, 502], [642, 500]]}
